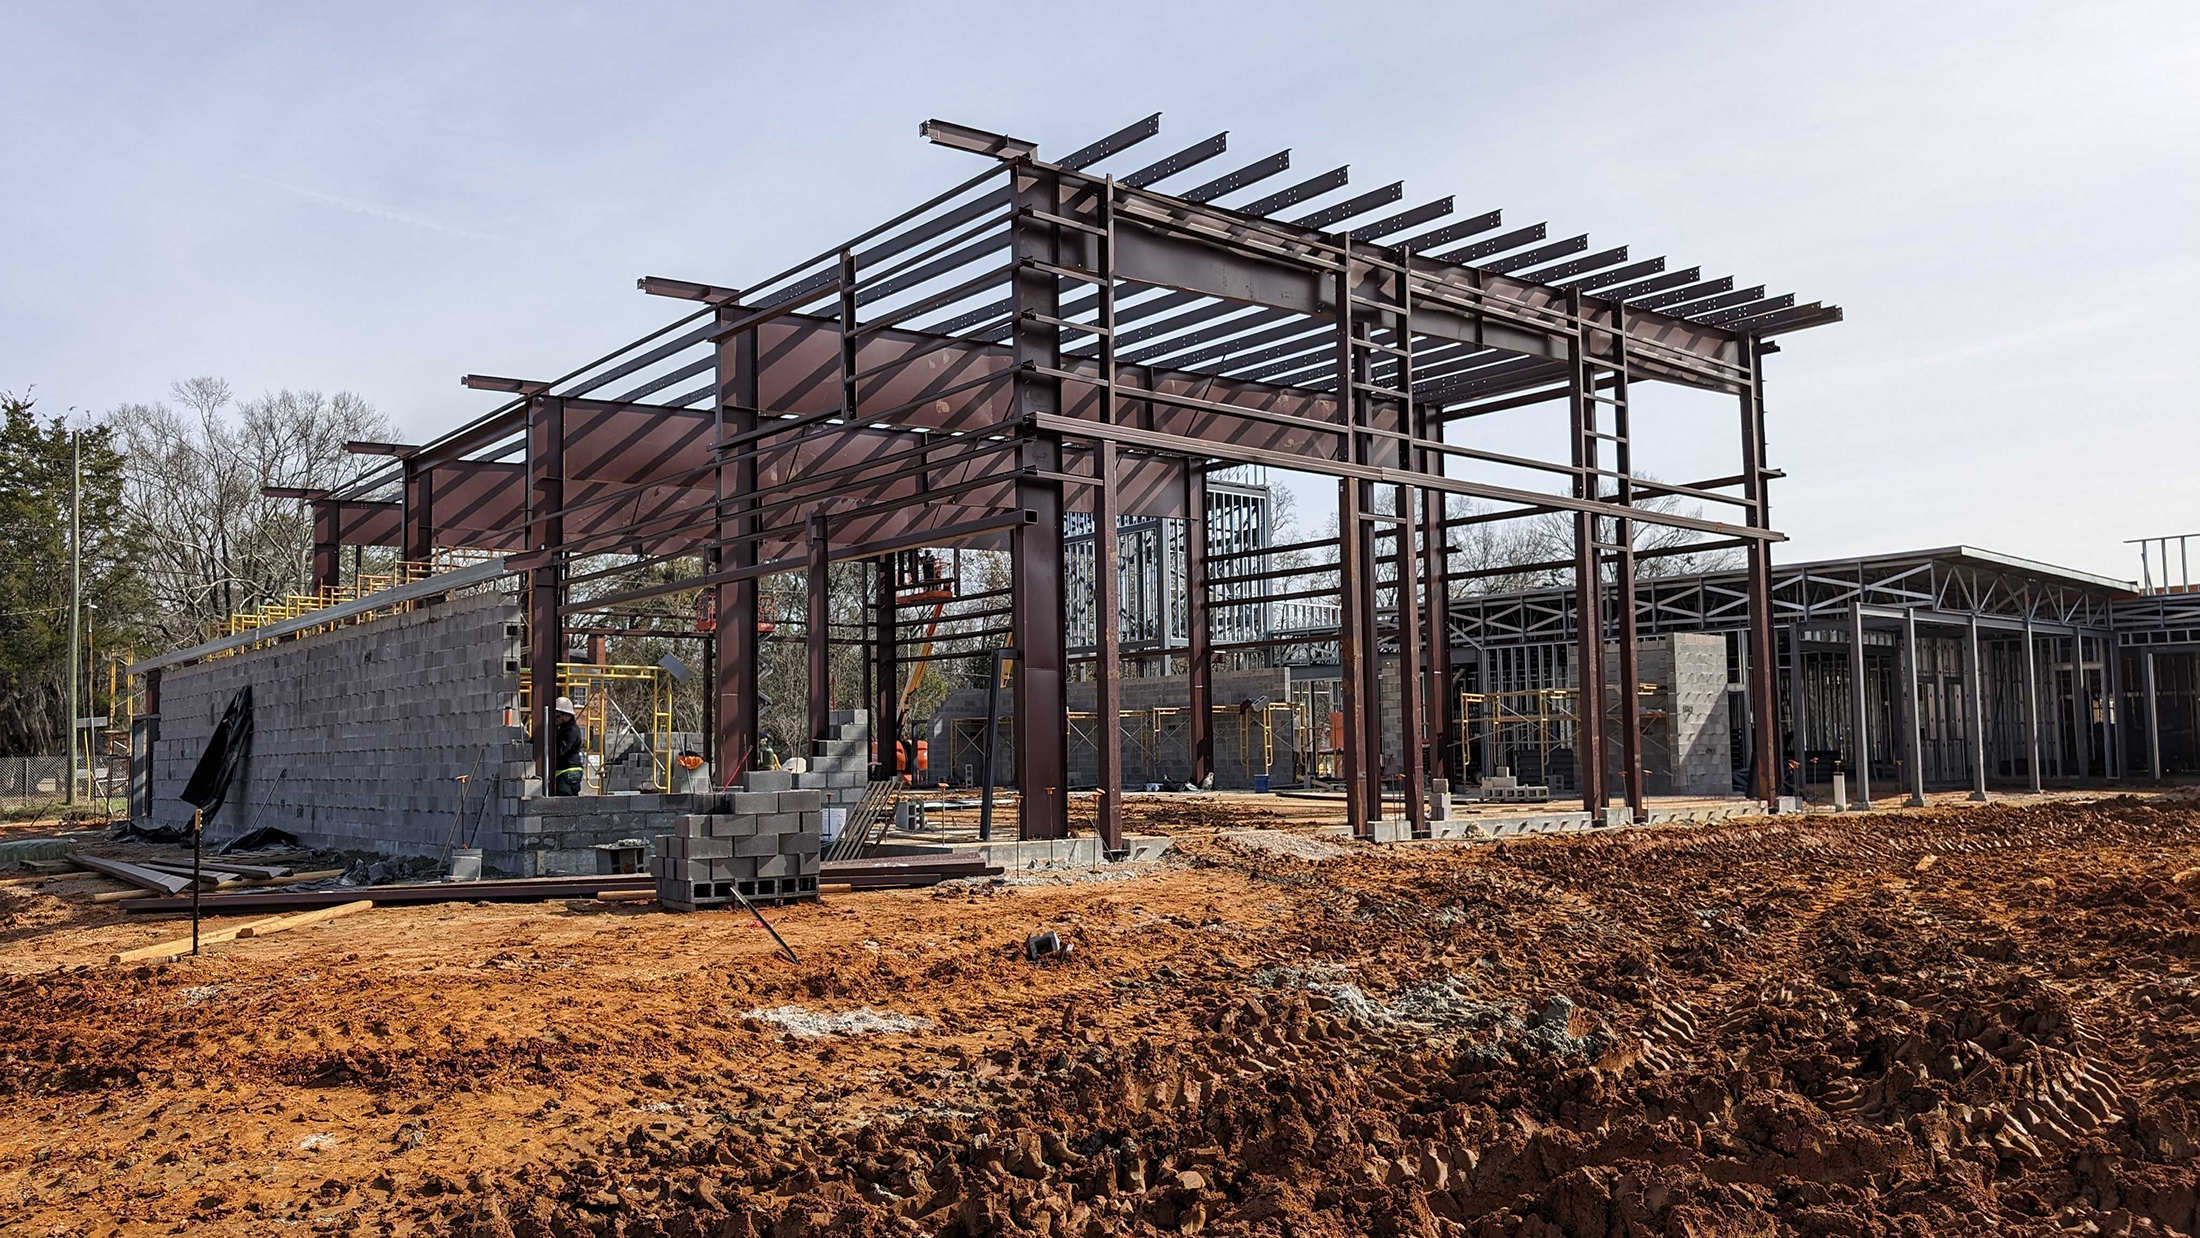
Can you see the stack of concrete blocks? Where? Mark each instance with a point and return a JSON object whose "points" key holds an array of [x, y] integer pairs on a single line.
{"points": [[765, 841], [640, 765], [558, 835], [1685, 728], [1504, 788]]}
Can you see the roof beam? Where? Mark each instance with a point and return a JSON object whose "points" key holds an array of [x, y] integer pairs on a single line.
{"points": [[1352, 206], [687, 290], [1121, 140], [976, 141], [1230, 182], [511, 386]]}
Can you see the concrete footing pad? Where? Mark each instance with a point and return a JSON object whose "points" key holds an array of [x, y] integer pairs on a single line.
{"points": [[1013, 853], [1482, 828]]}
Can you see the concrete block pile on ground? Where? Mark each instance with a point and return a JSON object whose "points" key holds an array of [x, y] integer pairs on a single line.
{"points": [[765, 841]]}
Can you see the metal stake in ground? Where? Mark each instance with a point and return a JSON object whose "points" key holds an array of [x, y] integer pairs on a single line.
{"points": [[767, 924], [197, 824]]}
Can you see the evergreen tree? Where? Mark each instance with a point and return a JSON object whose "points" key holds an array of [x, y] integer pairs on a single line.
{"points": [[35, 482]]}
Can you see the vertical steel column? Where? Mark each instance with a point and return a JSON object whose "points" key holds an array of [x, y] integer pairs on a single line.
{"points": [[1407, 592], [1443, 703], [817, 630], [1353, 632], [1760, 564], [1488, 687], [2081, 720], [1623, 567], [886, 705], [2031, 708], [1913, 723], [545, 628], [1038, 621], [2112, 684], [1978, 715], [419, 514], [1200, 637], [1798, 705], [734, 612], [1363, 532], [820, 573], [2154, 720], [1588, 573], [327, 547], [1860, 741], [1106, 503]]}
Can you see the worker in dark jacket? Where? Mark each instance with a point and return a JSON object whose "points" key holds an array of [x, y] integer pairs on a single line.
{"points": [[570, 764]]}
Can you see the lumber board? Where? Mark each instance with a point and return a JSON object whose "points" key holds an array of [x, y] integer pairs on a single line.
{"points": [[42, 877], [168, 951], [283, 924], [525, 889]]}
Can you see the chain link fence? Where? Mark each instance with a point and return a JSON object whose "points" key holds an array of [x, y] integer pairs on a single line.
{"points": [[42, 780]]}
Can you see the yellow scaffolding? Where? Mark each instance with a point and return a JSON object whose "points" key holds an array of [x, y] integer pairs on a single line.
{"points": [[588, 684], [298, 605]]}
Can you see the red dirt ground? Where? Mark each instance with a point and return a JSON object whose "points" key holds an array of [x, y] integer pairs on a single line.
{"points": [[1936, 1022]]}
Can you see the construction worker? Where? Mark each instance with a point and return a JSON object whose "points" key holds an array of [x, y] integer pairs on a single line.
{"points": [[566, 744]]}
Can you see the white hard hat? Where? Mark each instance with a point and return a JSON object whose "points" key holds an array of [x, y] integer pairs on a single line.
{"points": [[564, 705]]}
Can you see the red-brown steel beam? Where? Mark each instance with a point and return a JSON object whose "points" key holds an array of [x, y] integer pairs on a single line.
{"points": [[1036, 553], [1765, 744], [736, 653], [1588, 581], [1199, 634], [545, 625], [818, 582]]}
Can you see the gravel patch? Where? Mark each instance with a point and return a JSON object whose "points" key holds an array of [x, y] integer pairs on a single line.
{"points": [[808, 1024]]}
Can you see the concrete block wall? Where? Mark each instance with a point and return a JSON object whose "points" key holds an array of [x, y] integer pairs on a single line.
{"points": [[360, 734], [1240, 750], [766, 840]]}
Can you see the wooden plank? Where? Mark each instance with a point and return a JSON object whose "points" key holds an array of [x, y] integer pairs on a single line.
{"points": [[283, 924], [40, 878], [135, 874], [168, 951], [626, 896], [528, 889], [117, 896]]}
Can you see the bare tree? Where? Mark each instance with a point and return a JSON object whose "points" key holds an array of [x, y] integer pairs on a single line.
{"points": [[213, 543]]}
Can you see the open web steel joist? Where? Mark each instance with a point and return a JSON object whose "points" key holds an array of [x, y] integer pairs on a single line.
{"points": [[1094, 333]]}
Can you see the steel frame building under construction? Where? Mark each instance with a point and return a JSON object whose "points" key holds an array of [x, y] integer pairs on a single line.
{"points": [[1097, 333]]}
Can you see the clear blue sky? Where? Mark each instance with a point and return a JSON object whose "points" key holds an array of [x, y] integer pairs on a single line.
{"points": [[381, 197]]}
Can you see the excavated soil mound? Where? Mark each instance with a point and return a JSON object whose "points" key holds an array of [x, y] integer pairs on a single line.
{"points": [[1946, 1022]]}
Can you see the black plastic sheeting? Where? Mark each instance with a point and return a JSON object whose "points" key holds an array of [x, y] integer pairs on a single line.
{"points": [[132, 832], [267, 837], [225, 751]]}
